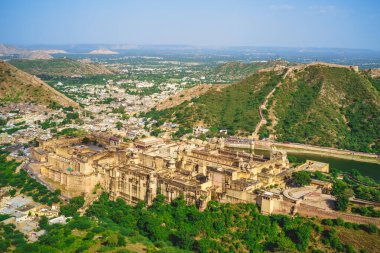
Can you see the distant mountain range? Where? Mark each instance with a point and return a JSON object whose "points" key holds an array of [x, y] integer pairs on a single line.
{"points": [[103, 51], [18, 86], [250, 50], [362, 57], [6, 50], [46, 52]]}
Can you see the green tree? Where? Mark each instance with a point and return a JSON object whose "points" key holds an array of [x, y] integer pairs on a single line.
{"points": [[12, 192], [342, 199], [3, 121], [338, 187], [119, 125], [72, 207], [155, 132], [43, 223], [301, 178]]}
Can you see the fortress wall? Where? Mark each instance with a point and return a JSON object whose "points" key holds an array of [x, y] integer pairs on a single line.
{"points": [[263, 145], [233, 196], [282, 207], [355, 68], [74, 185], [59, 142], [286, 207], [311, 211], [80, 184], [256, 144], [35, 168], [237, 145]]}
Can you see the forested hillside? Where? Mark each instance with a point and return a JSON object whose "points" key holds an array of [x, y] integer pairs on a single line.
{"points": [[59, 67], [375, 81], [233, 108], [316, 104], [239, 70], [328, 106], [18, 86], [114, 226]]}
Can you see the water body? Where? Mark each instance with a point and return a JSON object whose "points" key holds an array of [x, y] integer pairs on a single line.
{"points": [[366, 169]]}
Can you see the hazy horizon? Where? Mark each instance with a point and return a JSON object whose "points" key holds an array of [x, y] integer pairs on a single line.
{"points": [[216, 47], [204, 24]]}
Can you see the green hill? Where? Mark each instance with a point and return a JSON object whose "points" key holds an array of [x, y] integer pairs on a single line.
{"points": [[317, 104], [329, 106], [18, 86], [375, 79], [233, 108], [59, 67]]}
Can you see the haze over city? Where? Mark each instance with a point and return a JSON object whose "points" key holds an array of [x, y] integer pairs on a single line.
{"points": [[337, 24]]}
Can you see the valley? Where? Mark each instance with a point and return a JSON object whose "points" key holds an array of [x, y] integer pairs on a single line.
{"points": [[118, 132], [189, 126]]}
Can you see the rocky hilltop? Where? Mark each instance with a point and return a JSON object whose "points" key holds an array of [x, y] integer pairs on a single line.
{"points": [[103, 51], [320, 104], [11, 50], [60, 67], [18, 86], [27, 54], [44, 54]]}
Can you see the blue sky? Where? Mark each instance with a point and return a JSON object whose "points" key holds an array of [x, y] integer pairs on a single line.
{"points": [[290, 23]]}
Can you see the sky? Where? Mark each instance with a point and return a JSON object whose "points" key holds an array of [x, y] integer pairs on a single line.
{"points": [[208, 23]]}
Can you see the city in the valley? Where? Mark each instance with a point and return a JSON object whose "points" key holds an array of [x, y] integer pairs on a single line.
{"points": [[155, 147], [100, 138]]}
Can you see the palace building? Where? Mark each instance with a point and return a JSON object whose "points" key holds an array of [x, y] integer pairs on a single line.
{"points": [[140, 171]]}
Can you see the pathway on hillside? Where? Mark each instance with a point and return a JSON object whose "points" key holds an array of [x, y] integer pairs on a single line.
{"points": [[263, 106]]}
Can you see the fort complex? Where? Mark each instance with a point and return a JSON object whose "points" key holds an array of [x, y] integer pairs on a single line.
{"points": [[139, 171], [200, 171]]}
